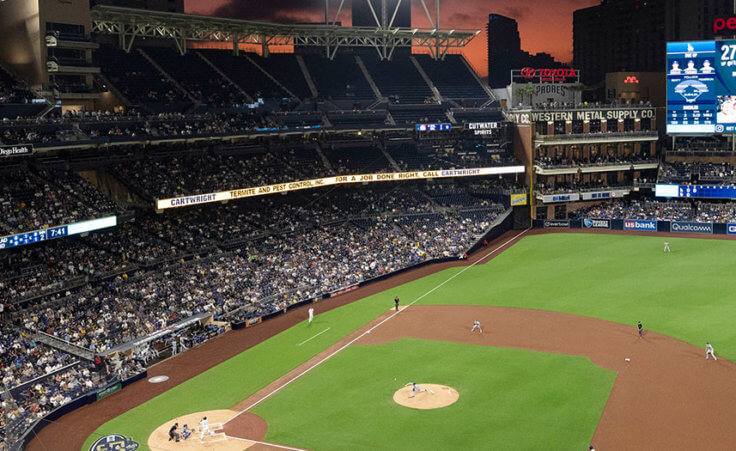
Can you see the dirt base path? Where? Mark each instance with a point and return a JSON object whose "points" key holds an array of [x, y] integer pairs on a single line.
{"points": [[666, 397]]}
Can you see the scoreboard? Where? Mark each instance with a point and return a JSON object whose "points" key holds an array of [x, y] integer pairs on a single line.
{"points": [[696, 191], [701, 87], [52, 233]]}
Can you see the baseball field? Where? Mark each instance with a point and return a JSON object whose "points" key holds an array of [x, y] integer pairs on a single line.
{"points": [[559, 364]]}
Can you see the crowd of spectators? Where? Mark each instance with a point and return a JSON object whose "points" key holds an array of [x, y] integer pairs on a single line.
{"points": [[584, 105], [549, 162], [299, 247], [32, 200], [697, 173], [40, 379], [12, 91], [661, 211], [643, 210]]}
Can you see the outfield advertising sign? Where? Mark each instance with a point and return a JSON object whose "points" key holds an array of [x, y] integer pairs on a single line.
{"points": [[640, 225], [692, 227], [590, 223], [556, 223], [518, 199], [731, 229]]}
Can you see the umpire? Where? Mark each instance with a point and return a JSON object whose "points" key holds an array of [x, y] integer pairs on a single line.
{"points": [[172, 432], [396, 303]]}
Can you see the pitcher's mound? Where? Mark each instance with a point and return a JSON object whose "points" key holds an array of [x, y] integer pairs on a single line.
{"points": [[427, 396], [159, 439]]}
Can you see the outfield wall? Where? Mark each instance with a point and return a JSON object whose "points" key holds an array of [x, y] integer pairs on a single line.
{"points": [[639, 225]]}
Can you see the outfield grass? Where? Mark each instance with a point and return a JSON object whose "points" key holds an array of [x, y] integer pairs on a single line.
{"points": [[686, 294], [689, 294], [509, 399]]}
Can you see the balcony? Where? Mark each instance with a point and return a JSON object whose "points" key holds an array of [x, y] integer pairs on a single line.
{"points": [[583, 194], [67, 66], [70, 41], [596, 167], [591, 138]]}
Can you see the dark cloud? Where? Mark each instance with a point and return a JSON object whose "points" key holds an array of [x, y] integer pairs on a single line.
{"points": [[516, 12], [283, 11], [462, 18]]}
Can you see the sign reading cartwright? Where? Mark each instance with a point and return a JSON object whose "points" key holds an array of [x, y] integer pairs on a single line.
{"points": [[175, 202]]}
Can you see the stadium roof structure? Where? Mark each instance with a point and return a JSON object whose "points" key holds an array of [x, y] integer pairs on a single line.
{"points": [[129, 23]]}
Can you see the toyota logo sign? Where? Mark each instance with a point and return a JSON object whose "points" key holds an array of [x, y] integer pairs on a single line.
{"points": [[528, 72]]}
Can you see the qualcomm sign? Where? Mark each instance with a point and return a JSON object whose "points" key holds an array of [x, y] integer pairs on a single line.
{"points": [[692, 227]]}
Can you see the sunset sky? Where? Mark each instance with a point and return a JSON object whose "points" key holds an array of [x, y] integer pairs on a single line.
{"points": [[544, 26]]}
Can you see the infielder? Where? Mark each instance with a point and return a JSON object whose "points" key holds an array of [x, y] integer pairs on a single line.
{"points": [[667, 246], [311, 314], [641, 329], [476, 325], [709, 350]]}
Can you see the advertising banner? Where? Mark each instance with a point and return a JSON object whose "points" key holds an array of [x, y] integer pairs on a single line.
{"points": [[590, 223], [556, 223], [162, 204], [731, 229], [16, 151], [691, 227], [571, 197], [640, 225], [593, 195], [518, 199]]}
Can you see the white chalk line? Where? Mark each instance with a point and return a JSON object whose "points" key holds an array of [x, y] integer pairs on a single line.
{"points": [[314, 336], [265, 443], [287, 383]]}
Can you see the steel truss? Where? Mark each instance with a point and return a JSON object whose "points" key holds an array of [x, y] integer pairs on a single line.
{"points": [[129, 24]]}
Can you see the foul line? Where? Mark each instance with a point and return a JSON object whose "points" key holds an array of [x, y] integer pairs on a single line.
{"points": [[278, 389], [265, 443], [314, 336]]}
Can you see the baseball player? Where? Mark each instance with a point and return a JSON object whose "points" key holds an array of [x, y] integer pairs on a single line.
{"points": [[185, 432], [311, 314], [667, 246], [415, 389], [204, 427], [476, 325], [396, 303], [641, 329], [709, 350]]}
